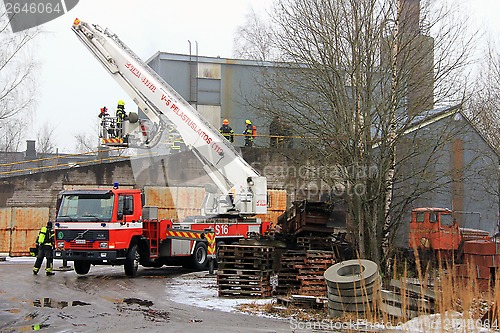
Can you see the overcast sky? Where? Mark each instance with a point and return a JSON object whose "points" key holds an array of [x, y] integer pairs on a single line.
{"points": [[72, 85]]}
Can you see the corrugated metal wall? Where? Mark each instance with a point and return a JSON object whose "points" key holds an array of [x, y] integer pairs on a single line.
{"points": [[19, 227]]}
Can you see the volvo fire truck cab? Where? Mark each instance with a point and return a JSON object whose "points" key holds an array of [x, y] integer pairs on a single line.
{"points": [[106, 227]]}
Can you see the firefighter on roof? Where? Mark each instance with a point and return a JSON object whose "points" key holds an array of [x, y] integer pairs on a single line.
{"points": [[250, 133], [45, 243], [227, 131]]}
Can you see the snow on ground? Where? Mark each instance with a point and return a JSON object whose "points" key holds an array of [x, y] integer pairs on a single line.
{"points": [[200, 289]]}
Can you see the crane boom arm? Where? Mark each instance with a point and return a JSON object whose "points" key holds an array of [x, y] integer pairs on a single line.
{"points": [[244, 190]]}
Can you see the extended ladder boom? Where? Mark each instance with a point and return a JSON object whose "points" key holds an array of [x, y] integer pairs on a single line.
{"points": [[240, 187]]}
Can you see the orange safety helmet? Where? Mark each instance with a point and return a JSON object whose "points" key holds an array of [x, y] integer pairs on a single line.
{"points": [[225, 122]]}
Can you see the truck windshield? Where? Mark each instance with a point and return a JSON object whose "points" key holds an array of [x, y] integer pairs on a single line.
{"points": [[86, 207]]}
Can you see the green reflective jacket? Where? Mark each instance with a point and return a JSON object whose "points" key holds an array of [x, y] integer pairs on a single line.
{"points": [[43, 239]]}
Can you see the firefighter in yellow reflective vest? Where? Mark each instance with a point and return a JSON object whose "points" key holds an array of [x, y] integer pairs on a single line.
{"points": [[121, 115], [249, 133], [45, 243]]}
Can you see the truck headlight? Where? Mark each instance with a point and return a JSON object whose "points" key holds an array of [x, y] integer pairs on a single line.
{"points": [[103, 245], [60, 245]]}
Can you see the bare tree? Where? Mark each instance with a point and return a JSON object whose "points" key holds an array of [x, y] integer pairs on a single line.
{"points": [[253, 39], [355, 77], [485, 102], [45, 140], [85, 143], [17, 69], [12, 133]]}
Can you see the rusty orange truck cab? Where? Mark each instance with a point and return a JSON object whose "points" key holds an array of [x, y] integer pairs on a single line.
{"points": [[436, 229]]}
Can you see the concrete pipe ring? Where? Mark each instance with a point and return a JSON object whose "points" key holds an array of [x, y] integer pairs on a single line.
{"points": [[359, 308], [351, 274], [357, 299], [360, 290]]}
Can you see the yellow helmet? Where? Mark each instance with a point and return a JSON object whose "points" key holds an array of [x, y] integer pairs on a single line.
{"points": [[121, 102], [248, 122]]}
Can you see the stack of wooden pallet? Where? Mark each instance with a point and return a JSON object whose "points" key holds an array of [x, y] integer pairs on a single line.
{"points": [[314, 243], [287, 273], [310, 272], [301, 272], [245, 270]]}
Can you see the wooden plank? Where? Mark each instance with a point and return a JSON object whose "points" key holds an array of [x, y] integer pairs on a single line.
{"points": [[412, 303], [395, 311], [413, 288]]}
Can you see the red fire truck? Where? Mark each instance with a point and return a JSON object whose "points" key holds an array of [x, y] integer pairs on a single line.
{"points": [[111, 226]]}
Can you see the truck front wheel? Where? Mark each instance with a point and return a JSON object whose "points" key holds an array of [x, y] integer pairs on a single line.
{"points": [[82, 267], [132, 261], [199, 259]]}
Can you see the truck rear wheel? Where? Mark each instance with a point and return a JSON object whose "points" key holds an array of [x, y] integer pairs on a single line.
{"points": [[132, 261], [199, 259], [82, 267]]}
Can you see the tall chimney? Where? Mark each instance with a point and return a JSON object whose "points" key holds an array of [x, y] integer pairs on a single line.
{"points": [[30, 150], [410, 16]]}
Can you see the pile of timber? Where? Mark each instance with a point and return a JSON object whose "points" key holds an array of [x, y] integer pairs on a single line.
{"points": [[245, 270]]}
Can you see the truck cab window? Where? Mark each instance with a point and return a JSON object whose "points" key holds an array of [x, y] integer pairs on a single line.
{"points": [[420, 217], [433, 217], [125, 205], [446, 220]]}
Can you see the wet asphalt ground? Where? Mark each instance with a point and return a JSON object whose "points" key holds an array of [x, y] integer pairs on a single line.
{"points": [[105, 300]]}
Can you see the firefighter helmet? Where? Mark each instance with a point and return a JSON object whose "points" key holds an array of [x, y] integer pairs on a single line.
{"points": [[121, 102], [225, 122], [248, 122]]}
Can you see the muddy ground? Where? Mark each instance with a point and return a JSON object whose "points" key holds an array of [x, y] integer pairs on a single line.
{"points": [[105, 300]]}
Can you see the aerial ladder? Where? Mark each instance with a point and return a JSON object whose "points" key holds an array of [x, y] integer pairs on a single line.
{"points": [[239, 188]]}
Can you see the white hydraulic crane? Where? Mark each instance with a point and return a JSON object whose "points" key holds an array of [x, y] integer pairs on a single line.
{"points": [[240, 187]]}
